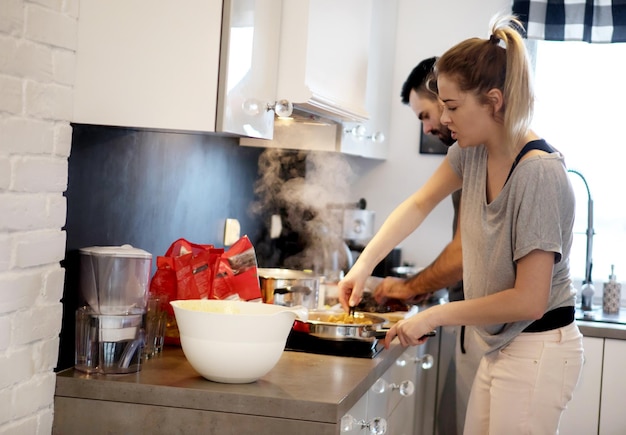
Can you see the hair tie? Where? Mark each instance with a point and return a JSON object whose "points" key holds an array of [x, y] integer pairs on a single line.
{"points": [[494, 39]]}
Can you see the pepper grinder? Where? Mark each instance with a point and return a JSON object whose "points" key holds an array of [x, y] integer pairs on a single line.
{"points": [[612, 294], [587, 292], [587, 296]]}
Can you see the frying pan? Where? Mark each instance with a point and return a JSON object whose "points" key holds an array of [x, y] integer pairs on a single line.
{"points": [[320, 324]]}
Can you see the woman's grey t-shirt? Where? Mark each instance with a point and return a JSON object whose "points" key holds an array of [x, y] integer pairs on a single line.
{"points": [[534, 210]]}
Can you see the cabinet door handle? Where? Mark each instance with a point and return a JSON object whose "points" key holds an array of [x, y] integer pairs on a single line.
{"points": [[406, 388], [254, 107], [426, 361], [376, 426]]}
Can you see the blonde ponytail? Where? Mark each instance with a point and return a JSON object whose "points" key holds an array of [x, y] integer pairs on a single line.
{"points": [[500, 62]]}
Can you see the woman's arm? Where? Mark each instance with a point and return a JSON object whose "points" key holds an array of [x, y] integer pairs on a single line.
{"points": [[400, 223], [445, 271], [527, 300]]}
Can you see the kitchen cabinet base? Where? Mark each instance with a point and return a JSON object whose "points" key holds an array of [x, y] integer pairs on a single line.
{"points": [[97, 417]]}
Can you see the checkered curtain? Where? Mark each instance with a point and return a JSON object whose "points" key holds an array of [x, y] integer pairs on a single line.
{"points": [[573, 20]]}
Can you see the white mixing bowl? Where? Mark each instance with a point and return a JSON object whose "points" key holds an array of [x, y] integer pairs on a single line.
{"points": [[232, 341]]}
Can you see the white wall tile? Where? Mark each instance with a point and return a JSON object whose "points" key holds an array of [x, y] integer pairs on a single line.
{"points": [[31, 60], [23, 135], [19, 290], [5, 252], [5, 333], [50, 27], [11, 91], [56, 5], [63, 66], [62, 139], [6, 400], [12, 16], [53, 279], [21, 212], [39, 174], [48, 101], [57, 211], [16, 366], [32, 396], [36, 249], [5, 172], [45, 420], [40, 322], [45, 355], [23, 426], [37, 61]]}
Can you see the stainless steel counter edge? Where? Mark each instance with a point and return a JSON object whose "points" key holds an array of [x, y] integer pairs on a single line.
{"points": [[602, 329], [302, 386]]}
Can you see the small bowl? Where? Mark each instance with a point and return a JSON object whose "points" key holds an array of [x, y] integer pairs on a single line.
{"points": [[232, 341]]}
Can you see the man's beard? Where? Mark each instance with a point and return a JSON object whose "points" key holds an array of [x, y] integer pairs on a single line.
{"points": [[444, 135]]}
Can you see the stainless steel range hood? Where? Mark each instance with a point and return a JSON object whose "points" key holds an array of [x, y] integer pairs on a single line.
{"points": [[315, 72], [301, 131], [326, 81]]}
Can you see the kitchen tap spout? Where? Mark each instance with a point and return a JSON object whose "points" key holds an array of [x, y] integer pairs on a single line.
{"points": [[590, 231]]}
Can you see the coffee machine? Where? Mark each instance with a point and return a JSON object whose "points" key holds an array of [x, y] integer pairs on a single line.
{"points": [[356, 223], [358, 228], [114, 283]]}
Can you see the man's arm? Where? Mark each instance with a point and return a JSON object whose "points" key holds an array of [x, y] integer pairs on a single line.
{"points": [[445, 271]]}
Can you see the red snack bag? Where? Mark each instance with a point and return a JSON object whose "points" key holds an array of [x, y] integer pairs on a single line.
{"points": [[186, 271], [195, 272], [237, 273]]}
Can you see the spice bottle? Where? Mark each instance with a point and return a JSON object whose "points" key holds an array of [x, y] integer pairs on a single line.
{"points": [[611, 295]]}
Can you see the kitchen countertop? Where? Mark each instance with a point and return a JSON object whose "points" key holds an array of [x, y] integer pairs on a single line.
{"points": [[302, 386], [595, 323]]}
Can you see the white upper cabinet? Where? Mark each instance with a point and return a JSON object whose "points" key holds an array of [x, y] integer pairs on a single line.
{"points": [[324, 54], [335, 66], [370, 138], [227, 66], [248, 67], [173, 66]]}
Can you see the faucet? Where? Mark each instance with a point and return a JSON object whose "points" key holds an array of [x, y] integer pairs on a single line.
{"points": [[590, 233]]}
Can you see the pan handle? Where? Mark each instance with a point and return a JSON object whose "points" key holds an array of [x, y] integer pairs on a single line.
{"points": [[381, 333]]}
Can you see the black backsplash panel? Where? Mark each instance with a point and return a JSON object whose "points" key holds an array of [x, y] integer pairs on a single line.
{"points": [[147, 189]]}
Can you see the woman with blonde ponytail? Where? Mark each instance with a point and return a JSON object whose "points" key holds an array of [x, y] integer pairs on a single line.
{"points": [[517, 215]]}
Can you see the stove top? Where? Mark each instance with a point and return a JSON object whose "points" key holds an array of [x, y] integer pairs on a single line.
{"points": [[302, 342]]}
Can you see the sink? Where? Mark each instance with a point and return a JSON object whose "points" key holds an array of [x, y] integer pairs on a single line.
{"points": [[597, 315]]}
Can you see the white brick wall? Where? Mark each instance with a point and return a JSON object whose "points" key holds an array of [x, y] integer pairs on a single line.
{"points": [[37, 60]]}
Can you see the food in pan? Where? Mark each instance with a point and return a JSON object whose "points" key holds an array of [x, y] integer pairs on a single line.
{"points": [[342, 318]]}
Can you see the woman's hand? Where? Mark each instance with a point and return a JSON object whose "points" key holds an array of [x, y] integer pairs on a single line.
{"points": [[350, 288], [410, 331]]}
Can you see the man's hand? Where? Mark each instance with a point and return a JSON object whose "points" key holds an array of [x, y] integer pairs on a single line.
{"points": [[397, 288]]}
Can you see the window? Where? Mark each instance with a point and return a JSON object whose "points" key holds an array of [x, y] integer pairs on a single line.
{"points": [[580, 109]]}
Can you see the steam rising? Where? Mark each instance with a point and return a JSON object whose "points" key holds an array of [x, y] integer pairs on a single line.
{"points": [[307, 189]]}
